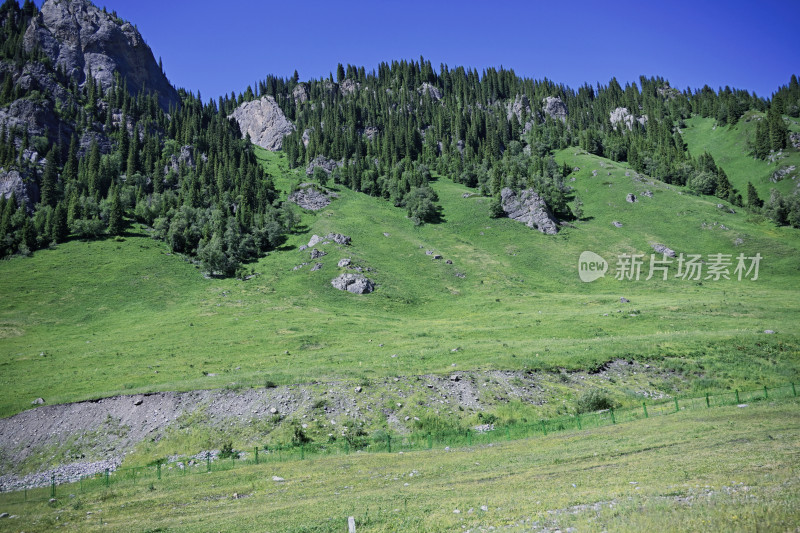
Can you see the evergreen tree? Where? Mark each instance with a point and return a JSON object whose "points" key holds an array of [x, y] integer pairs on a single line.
{"points": [[115, 214], [753, 201]]}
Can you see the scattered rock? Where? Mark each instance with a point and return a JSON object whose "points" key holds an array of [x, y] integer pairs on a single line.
{"points": [[631, 198], [449, 261], [343, 263], [316, 254], [338, 238], [648, 193], [782, 173], [328, 165], [316, 267], [555, 108], [264, 121], [617, 223], [310, 198], [769, 331], [277, 479], [358, 389], [38, 401], [660, 248], [3, 515], [437, 256], [303, 247], [624, 300], [386, 234], [530, 209], [354, 283], [138, 401]]}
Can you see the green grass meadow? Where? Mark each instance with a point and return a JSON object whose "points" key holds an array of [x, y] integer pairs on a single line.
{"points": [[722, 469], [92, 319]]}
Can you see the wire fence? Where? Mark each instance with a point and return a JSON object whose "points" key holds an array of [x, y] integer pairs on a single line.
{"points": [[208, 462]]}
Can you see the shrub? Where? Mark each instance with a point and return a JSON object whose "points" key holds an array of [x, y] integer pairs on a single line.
{"points": [[594, 400]]}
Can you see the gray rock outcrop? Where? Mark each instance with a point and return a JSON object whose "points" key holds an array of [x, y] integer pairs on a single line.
{"points": [[529, 208], [35, 116], [661, 249], [24, 188], [354, 283], [264, 121], [631, 198], [185, 157], [622, 116], [430, 90], [310, 198], [80, 38], [555, 108], [300, 93], [518, 107], [323, 162], [349, 87]]}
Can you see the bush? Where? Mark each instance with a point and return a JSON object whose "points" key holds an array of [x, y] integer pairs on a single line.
{"points": [[594, 400], [227, 451]]}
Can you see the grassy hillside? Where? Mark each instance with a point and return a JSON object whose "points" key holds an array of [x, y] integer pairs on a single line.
{"points": [[725, 469], [731, 150], [97, 318]]}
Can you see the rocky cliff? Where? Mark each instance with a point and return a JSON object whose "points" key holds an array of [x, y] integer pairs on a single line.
{"points": [[80, 38], [264, 121]]}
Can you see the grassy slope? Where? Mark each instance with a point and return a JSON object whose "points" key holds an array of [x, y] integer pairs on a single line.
{"points": [[729, 146], [114, 317], [725, 469]]}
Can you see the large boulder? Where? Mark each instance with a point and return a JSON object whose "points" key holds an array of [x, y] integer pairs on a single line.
{"points": [[80, 38], [555, 108], [354, 283], [22, 186], [529, 208], [264, 121], [622, 116]]}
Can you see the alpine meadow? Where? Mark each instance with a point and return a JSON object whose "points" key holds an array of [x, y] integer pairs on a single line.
{"points": [[398, 297]]}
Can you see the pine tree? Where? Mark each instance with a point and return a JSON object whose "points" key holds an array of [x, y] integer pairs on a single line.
{"points": [[753, 201], [60, 228], [115, 220], [50, 179]]}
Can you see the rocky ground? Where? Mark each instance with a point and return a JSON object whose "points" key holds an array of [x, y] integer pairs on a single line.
{"points": [[87, 437]]}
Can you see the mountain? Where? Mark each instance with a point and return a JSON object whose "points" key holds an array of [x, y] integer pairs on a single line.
{"points": [[82, 41]]}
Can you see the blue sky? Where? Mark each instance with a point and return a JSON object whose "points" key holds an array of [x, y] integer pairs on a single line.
{"points": [[219, 47]]}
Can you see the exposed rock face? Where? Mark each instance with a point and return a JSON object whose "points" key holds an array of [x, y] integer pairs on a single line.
{"points": [[519, 106], [300, 93], [431, 90], [621, 115], [529, 208], [37, 117], [90, 137], [321, 161], [26, 190], [349, 87], [555, 108], [35, 76], [264, 121], [661, 249], [310, 198], [354, 283], [79, 37], [370, 132], [186, 157]]}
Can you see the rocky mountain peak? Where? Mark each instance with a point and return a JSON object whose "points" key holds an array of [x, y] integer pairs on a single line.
{"points": [[81, 38]]}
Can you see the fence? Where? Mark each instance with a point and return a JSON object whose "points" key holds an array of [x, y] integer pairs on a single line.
{"points": [[388, 443]]}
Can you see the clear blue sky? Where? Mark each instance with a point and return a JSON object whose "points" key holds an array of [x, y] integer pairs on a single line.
{"points": [[218, 47]]}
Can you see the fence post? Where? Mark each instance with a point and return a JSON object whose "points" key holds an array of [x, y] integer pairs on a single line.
{"points": [[766, 396], [644, 406], [737, 396], [256, 450], [676, 405], [708, 403], [52, 485], [389, 443], [794, 391], [430, 441], [613, 420], [208, 461]]}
